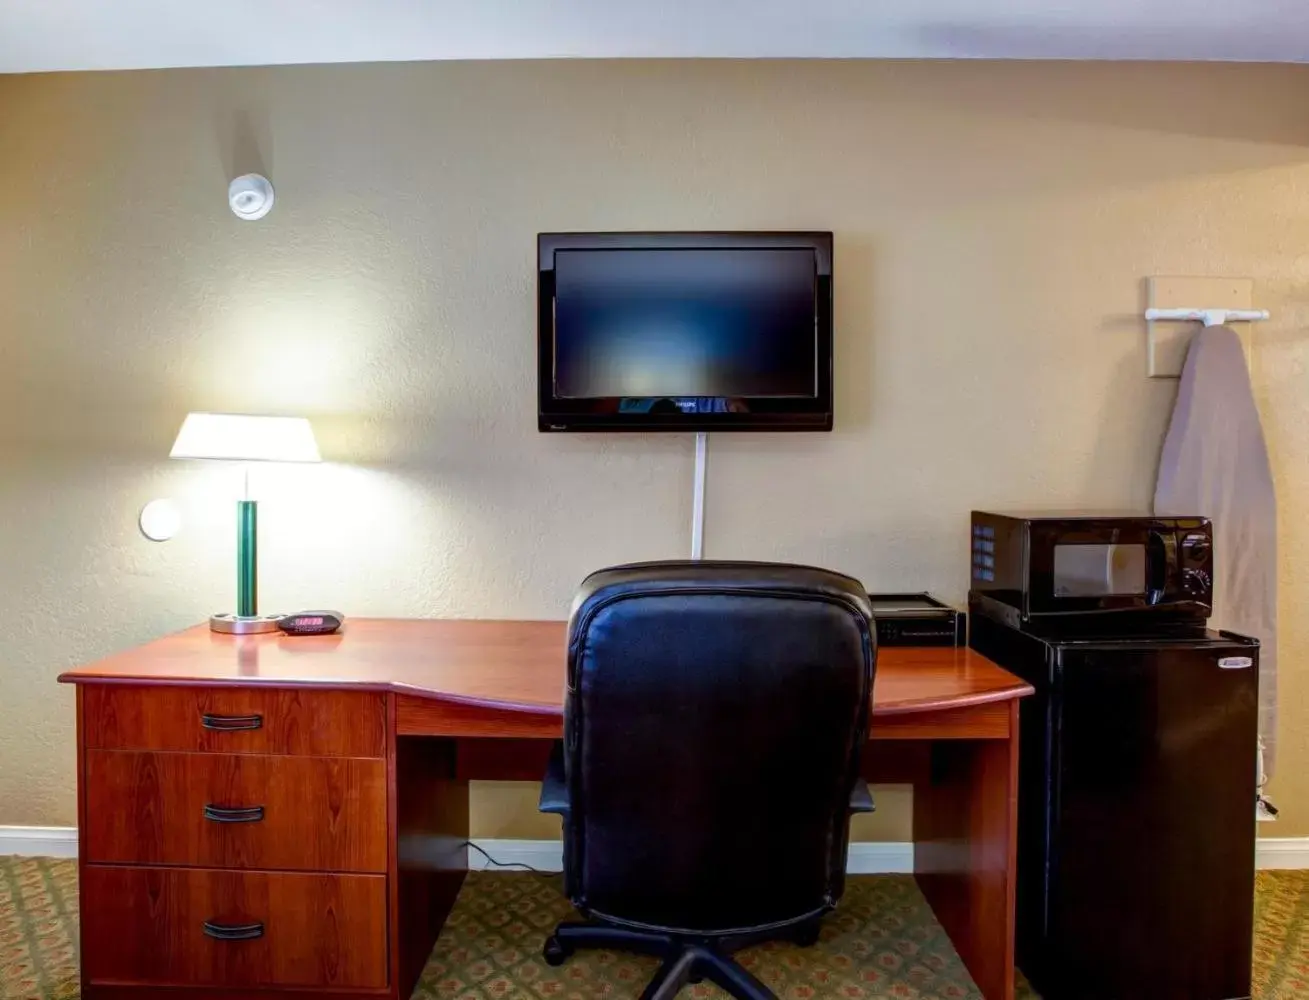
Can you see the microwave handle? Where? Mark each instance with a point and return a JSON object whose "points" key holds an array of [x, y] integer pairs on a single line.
{"points": [[1161, 565]]}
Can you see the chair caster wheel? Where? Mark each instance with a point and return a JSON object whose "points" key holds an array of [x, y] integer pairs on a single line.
{"points": [[807, 936], [555, 952]]}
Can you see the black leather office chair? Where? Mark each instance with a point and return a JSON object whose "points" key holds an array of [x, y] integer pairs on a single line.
{"points": [[714, 722]]}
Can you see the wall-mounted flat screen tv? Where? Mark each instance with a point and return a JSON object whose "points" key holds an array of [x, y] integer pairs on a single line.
{"points": [[685, 331]]}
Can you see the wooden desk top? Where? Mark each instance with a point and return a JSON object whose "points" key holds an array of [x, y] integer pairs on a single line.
{"points": [[514, 665]]}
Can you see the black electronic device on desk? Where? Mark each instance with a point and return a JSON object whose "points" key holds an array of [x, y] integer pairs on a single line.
{"points": [[917, 620], [311, 622]]}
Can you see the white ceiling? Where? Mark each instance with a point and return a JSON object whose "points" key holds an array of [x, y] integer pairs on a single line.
{"points": [[38, 35]]}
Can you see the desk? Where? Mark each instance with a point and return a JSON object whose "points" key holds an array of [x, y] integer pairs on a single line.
{"points": [[261, 816]]}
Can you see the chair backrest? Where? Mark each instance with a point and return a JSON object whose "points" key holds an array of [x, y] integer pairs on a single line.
{"points": [[714, 723]]}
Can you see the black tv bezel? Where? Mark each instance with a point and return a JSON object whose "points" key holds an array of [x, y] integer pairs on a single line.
{"points": [[774, 414]]}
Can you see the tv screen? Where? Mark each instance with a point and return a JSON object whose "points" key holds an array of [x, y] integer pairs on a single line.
{"points": [[678, 331], [684, 323]]}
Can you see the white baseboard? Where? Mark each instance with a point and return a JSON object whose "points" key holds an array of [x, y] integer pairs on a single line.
{"points": [[547, 855], [880, 858], [1281, 852], [39, 841]]}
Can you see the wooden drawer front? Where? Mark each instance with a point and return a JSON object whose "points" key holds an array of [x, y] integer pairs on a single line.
{"points": [[235, 720], [156, 926], [236, 810]]}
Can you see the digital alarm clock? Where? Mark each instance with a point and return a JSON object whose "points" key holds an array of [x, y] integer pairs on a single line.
{"points": [[311, 622]]}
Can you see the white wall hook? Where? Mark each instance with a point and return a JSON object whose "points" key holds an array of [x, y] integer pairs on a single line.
{"points": [[1176, 303], [1209, 317]]}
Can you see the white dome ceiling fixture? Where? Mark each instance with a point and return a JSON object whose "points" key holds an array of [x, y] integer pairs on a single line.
{"points": [[250, 196]]}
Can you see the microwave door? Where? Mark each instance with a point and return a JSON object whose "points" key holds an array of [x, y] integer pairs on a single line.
{"points": [[1090, 568]]}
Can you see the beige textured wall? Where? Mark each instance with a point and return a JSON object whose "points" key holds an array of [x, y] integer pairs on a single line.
{"points": [[993, 226]]}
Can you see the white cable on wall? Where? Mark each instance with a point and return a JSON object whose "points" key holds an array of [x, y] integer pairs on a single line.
{"points": [[697, 497]]}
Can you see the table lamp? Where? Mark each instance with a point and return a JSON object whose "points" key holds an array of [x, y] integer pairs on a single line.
{"points": [[241, 438]]}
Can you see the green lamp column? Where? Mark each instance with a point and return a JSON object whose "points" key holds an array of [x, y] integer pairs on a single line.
{"points": [[247, 558]]}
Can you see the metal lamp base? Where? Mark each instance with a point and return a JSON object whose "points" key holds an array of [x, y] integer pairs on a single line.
{"points": [[243, 625]]}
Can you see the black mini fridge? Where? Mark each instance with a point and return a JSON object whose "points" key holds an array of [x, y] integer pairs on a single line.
{"points": [[1136, 806]]}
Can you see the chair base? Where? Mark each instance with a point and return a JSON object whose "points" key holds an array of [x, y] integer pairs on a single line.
{"points": [[685, 959]]}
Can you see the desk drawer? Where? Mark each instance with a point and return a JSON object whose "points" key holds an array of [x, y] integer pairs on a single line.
{"points": [[297, 721], [236, 810], [196, 927]]}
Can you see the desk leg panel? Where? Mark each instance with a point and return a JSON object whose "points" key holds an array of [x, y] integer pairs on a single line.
{"points": [[965, 851], [429, 849], [82, 848]]}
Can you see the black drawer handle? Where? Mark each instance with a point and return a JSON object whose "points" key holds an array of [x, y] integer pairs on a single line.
{"points": [[232, 723], [242, 814], [233, 932]]}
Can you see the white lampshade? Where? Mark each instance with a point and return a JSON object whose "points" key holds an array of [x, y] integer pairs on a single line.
{"points": [[238, 437]]}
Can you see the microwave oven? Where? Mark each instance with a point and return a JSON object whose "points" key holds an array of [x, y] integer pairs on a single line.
{"points": [[1029, 568]]}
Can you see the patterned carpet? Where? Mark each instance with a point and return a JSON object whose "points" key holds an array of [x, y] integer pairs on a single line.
{"points": [[882, 942]]}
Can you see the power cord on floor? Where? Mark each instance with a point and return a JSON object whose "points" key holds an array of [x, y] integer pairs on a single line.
{"points": [[522, 865]]}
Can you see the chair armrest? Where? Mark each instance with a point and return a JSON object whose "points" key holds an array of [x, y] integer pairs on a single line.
{"points": [[861, 797], [554, 789]]}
